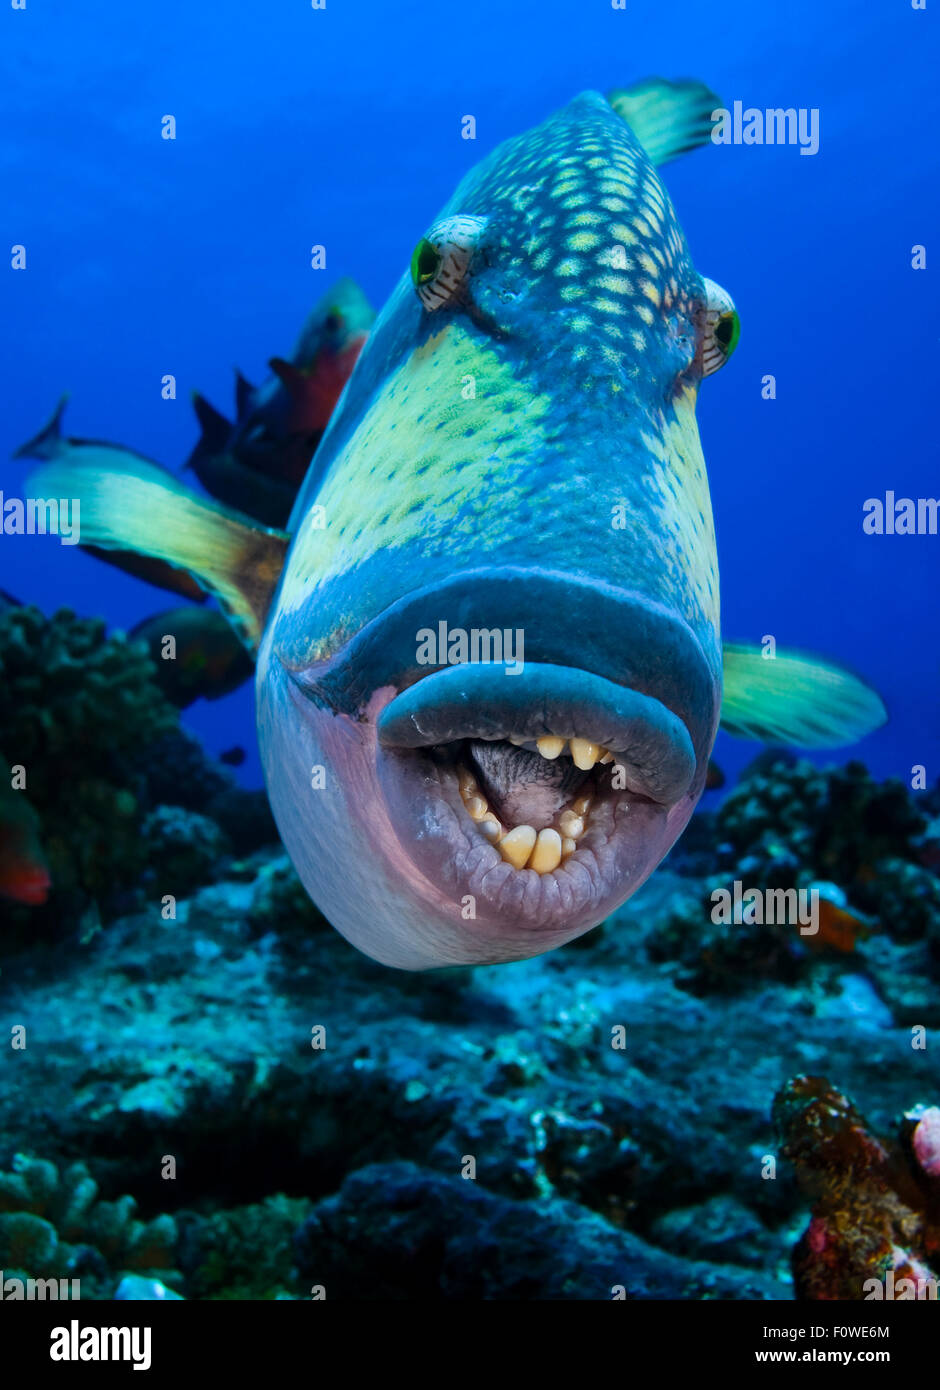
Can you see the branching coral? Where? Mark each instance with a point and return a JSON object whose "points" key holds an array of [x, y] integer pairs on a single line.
{"points": [[53, 1226]]}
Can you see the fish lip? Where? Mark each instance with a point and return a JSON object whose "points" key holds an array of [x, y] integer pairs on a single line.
{"points": [[478, 701], [618, 634]]}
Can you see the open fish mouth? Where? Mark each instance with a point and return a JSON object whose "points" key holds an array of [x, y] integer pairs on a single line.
{"points": [[523, 801], [537, 795]]}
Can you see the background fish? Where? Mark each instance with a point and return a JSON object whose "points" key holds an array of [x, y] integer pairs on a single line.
{"points": [[516, 452], [208, 661], [52, 445], [258, 463], [24, 869]]}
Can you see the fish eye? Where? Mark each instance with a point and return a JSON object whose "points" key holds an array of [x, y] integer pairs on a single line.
{"points": [[722, 328], [424, 262], [440, 263]]}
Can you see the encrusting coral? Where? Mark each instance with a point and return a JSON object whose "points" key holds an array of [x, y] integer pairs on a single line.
{"points": [[875, 1226]]}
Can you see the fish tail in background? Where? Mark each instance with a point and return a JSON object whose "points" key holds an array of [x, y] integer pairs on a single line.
{"points": [[795, 698], [49, 441], [149, 511], [668, 118]]}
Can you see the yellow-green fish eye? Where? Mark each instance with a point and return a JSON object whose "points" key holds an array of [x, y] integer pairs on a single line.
{"points": [[722, 328], [425, 262], [440, 265], [728, 331]]}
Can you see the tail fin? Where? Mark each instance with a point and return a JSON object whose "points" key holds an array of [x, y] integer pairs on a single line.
{"points": [[45, 444], [795, 699], [667, 118], [146, 509]]}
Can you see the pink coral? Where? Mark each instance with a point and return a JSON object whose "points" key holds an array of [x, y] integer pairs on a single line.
{"points": [[926, 1142]]}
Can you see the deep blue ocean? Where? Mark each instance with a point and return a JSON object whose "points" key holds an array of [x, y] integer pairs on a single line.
{"points": [[342, 126]]}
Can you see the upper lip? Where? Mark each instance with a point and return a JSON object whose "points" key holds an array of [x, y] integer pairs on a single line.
{"points": [[618, 635], [476, 701]]}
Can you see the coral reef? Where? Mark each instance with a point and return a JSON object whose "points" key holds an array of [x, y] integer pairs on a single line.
{"points": [[790, 825], [112, 787], [75, 706], [52, 1225], [876, 1204]]}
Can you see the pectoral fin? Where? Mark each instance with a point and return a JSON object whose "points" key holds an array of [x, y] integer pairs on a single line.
{"points": [[146, 509], [667, 118], [796, 699]]}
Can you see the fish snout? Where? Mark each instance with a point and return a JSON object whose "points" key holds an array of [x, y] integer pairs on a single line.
{"points": [[516, 752]]}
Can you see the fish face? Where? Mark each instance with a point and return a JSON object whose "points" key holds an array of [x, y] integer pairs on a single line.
{"points": [[492, 677]]}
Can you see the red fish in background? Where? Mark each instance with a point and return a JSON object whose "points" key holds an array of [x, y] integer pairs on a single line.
{"points": [[258, 463], [841, 926], [24, 870]]}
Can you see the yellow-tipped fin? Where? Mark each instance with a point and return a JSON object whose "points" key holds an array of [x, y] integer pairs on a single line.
{"points": [[794, 698], [667, 118], [144, 508]]}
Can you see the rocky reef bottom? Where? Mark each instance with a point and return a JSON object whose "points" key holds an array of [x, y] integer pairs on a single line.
{"points": [[728, 1091], [290, 1119]]}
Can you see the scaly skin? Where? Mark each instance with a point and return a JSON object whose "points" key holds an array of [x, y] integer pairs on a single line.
{"points": [[473, 473]]}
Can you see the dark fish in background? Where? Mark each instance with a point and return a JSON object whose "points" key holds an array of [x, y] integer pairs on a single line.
{"points": [[52, 446], [210, 661], [258, 463], [233, 757], [24, 870], [714, 778], [226, 477]]}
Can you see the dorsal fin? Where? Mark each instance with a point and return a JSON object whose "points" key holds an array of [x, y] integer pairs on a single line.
{"points": [[47, 443], [667, 118], [146, 509], [244, 395], [216, 430], [293, 378]]}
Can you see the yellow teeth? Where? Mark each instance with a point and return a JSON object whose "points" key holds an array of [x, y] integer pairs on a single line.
{"points": [[522, 846], [518, 845], [546, 856], [583, 754]]}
